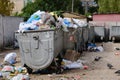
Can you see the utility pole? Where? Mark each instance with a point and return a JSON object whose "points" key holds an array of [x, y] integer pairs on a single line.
{"points": [[72, 6], [86, 7]]}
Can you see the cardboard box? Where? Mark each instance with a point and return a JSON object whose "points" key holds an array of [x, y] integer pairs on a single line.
{"points": [[72, 55]]}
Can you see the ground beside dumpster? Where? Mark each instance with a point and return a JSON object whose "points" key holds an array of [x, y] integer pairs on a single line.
{"points": [[97, 70]]}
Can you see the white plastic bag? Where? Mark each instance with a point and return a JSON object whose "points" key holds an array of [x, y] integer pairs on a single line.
{"points": [[10, 58], [35, 16], [72, 65], [80, 23], [75, 65], [100, 48], [21, 77]]}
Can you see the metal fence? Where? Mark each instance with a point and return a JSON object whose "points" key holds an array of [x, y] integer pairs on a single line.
{"points": [[8, 25]]}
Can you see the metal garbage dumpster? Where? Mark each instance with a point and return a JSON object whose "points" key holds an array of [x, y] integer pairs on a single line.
{"points": [[99, 33], [38, 48], [114, 33]]}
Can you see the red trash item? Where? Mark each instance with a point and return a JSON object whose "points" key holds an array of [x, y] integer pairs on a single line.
{"points": [[85, 67], [71, 38]]}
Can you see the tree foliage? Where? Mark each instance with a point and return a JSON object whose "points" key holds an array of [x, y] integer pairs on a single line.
{"points": [[6, 7], [50, 5], [109, 6]]}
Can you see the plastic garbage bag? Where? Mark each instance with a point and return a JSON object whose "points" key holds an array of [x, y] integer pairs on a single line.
{"points": [[91, 46], [80, 23], [21, 77], [28, 26], [0, 74], [100, 48], [75, 26], [6, 75], [8, 69], [75, 65], [67, 22], [72, 65], [35, 16], [10, 58], [47, 19]]}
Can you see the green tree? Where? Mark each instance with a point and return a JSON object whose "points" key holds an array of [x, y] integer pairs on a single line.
{"points": [[104, 6], [50, 5], [109, 6], [78, 8], [81, 8], [6, 7]]}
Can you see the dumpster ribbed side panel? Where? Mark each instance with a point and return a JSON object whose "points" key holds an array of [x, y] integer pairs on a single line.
{"points": [[85, 34], [91, 34], [67, 43]]}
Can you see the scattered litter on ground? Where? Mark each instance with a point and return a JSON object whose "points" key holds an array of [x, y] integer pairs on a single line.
{"points": [[21, 77], [8, 71], [110, 66], [94, 48], [117, 72], [117, 48], [72, 65], [117, 53], [76, 77], [97, 58], [12, 72]]}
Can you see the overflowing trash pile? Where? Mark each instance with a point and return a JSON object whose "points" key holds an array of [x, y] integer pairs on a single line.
{"points": [[8, 71], [44, 20]]}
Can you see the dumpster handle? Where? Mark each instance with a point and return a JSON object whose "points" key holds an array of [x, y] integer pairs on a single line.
{"points": [[36, 38]]}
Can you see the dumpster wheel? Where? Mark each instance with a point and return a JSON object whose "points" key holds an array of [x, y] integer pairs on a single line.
{"points": [[29, 70]]}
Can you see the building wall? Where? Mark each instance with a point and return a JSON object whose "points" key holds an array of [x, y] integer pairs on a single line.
{"points": [[19, 4], [106, 17]]}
